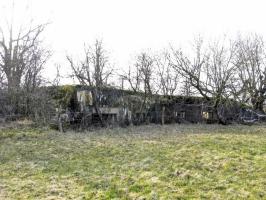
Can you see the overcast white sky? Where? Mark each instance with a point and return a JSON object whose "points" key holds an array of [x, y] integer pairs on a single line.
{"points": [[130, 26]]}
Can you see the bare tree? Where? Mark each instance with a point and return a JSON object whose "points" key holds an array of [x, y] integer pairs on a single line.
{"points": [[20, 52], [58, 76], [186, 88], [168, 80], [145, 64], [2, 79], [133, 77], [22, 58], [94, 71], [210, 72], [251, 68], [141, 80], [141, 75]]}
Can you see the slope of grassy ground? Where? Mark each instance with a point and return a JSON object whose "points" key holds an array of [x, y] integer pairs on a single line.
{"points": [[146, 162]]}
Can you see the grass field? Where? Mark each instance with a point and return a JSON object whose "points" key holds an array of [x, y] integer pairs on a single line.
{"points": [[146, 162]]}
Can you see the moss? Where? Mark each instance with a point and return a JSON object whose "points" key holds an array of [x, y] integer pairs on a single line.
{"points": [[65, 95]]}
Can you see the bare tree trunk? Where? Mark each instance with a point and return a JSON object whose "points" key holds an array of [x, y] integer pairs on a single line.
{"points": [[157, 121], [96, 107], [217, 110], [163, 115], [258, 104], [60, 123]]}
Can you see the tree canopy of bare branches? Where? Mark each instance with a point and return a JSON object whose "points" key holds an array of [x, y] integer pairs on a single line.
{"points": [[251, 68], [22, 58], [167, 80], [21, 54], [142, 81], [93, 71], [210, 71]]}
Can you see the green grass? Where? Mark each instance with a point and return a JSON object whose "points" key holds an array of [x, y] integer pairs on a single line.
{"points": [[147, 162]]}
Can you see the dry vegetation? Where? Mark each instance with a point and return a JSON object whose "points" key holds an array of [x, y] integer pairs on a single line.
{"points": [[146, 162]]}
